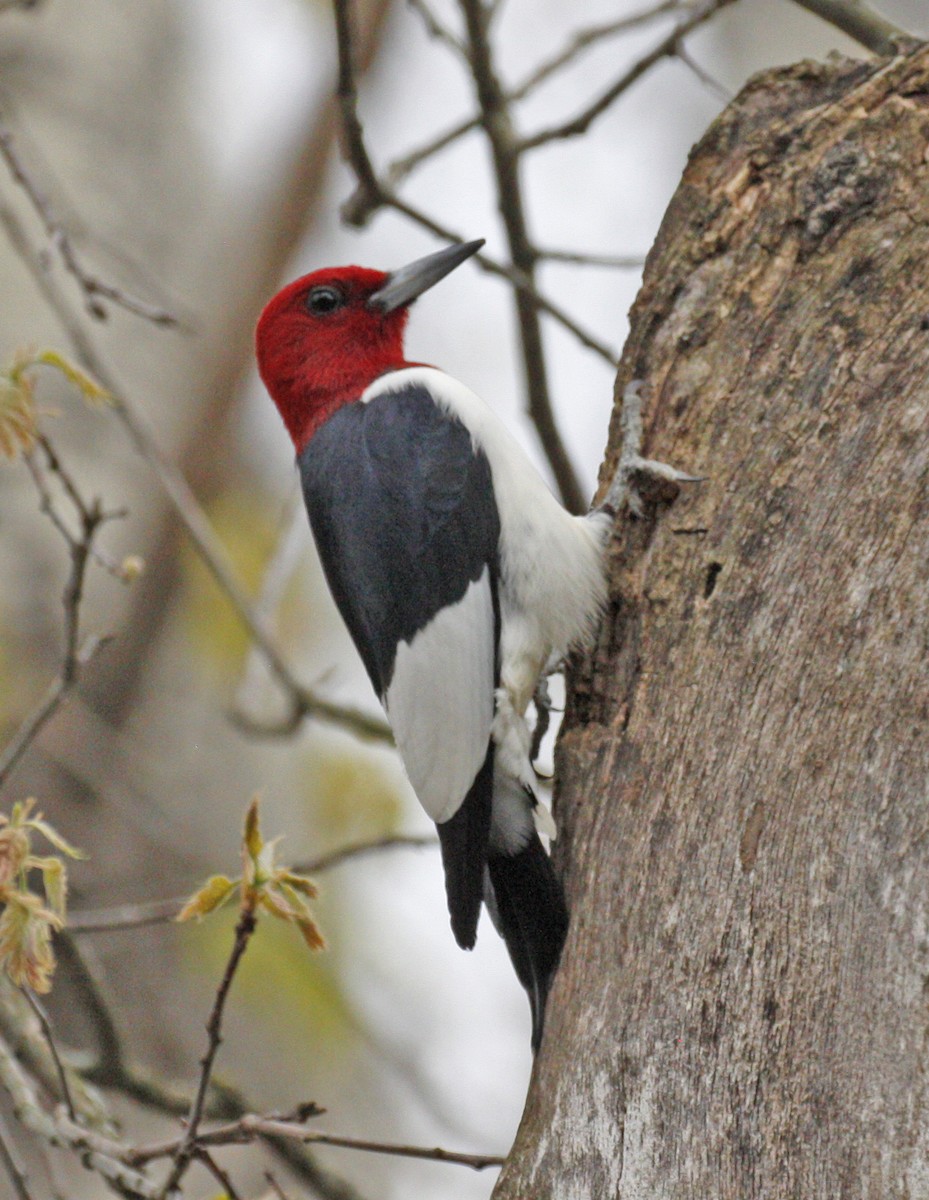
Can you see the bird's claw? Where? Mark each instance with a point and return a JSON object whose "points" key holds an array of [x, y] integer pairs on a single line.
{"points": [[624, 487]]}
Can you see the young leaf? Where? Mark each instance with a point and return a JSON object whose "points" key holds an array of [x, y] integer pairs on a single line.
{"points": [[92, 392], [214, 893]]}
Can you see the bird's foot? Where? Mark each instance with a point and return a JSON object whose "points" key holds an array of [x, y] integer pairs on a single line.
{"points": [[636, 476]]}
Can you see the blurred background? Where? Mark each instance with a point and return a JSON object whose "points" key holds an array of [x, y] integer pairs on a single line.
{"points": [[190, 151]]}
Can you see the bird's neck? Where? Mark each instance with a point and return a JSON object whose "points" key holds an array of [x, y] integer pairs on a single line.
{"points": [[307, 396]]}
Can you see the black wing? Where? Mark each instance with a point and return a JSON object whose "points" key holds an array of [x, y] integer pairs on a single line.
{"points": [[403, 512]]}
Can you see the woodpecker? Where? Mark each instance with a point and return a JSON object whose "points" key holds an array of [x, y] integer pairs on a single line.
{"points": [[459, 575]]}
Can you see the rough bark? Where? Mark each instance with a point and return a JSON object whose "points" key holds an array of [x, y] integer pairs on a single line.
{"points": [[742, 1006]]}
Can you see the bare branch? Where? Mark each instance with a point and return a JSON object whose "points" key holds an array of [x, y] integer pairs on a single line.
{"points": [[113, 1072], [435, 28], [46, 1025], [221, 1176], [353, 145], [860, 22], [618, 262], [477, 1162], [372, 194], [303, 704], [249, 1127], [667, 46], [513, 275], [187, 1147], [495, 119], [94, 289], [719, 90], [46, 709], [400, 168], [585, 38], [76, 656], [159, 912], [337, 858]]}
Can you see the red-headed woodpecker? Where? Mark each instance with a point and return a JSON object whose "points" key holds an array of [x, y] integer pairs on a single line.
{"points": [[458, 574]]}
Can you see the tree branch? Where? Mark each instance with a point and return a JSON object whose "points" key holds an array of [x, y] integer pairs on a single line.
{"points": [[187, 1147], [619, 262], [860, 22], [250, 1127], [76, 656], [667, 46], [585, 38], [93, 288], [435, 28], [495, 119], [371, 194], [46, 1026]]}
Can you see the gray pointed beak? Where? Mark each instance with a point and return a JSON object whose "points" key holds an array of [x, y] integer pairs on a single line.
{"points": [[403, 286]]}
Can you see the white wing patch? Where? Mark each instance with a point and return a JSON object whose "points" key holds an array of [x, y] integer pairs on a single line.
{"points": [[441, 700]]}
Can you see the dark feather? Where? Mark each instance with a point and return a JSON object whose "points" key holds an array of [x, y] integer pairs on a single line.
{"points": [[397, 498], [463, 840], [529, 911]]}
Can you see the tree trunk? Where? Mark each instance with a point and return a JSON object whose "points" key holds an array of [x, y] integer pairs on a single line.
{"points": [[743, 1005]]}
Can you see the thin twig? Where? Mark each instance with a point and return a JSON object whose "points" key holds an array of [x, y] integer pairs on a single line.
{"points": [[221, 1176], [93, 288], [371, 194], [45, 710], [250, 1126], [496, 122], [304, 703], [158, 912], [667, 46], [860, 22], [15, 1172], [354, 147], [111, 1071], [477, 1162], [513, 275], [83, 975], [23, 1032], [620, 262], [76, 655], [400, 168], [275, 1187], [46, 1026], [710, 82], [585, 38], [393, 841], [187, 1147], [435, 28]]}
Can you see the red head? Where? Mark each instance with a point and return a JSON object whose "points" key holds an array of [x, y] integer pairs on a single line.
{"points": [[324, 338]]}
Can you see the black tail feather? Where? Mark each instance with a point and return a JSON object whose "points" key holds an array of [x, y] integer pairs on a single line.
{"points": [[532, 919], [463, 839]]}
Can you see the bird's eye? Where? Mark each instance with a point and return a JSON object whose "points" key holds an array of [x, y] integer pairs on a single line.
{"points": [[324, 300]]}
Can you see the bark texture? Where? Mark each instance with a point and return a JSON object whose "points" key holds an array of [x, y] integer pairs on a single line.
{"points": [[743, 1005]]}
